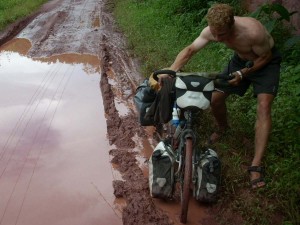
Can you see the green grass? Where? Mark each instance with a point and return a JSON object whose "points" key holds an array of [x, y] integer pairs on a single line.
{"points": [[156, 37], [12, 10], [156, 31]]}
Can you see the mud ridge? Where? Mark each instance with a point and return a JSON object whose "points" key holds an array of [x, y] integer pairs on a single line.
{"points": [[134, 187]]}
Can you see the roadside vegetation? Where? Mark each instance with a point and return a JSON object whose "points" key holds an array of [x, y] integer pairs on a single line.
{"points": [[12, 10], [157, 30]]}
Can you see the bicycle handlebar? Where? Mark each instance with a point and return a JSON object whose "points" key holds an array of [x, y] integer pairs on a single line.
{"points": [[223, 78], [158, 72], [212, 76]]}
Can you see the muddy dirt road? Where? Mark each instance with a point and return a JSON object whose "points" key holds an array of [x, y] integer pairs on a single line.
{"points": [[72, 151]]}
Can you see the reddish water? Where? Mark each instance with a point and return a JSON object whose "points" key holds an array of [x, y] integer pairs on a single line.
{"points": [[54, 166]]}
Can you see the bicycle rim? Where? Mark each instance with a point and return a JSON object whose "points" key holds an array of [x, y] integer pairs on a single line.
{"points": [[185, 187]]}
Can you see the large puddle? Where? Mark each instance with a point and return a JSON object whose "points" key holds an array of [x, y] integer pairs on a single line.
{"points": [[54, 166]]}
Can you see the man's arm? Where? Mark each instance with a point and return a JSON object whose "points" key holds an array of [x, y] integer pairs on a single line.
{"points": [[186, 54], [263, 59], [262, 47]]}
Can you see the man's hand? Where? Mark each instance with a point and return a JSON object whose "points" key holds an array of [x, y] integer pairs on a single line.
{"points": [[161, 78], [237, 78]]}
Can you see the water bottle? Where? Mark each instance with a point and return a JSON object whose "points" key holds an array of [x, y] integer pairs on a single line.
{"points": [[179, 129], [175, 116]]}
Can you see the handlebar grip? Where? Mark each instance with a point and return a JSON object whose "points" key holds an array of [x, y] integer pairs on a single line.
{"points": [[219, 83], [170, 72], [221, 80], [224, 77]]}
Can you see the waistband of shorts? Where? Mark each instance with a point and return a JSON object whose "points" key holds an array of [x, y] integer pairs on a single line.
{"points": [[275, 53]]}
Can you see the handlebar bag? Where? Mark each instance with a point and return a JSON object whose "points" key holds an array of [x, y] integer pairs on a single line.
{"points": [[193, 91]]}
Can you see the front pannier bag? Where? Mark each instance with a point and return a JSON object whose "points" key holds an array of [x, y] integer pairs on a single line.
{"points": [[208, 177], [161, 171]]}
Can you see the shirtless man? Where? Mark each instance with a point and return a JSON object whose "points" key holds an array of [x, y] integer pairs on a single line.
{"points": [[251, 42]]}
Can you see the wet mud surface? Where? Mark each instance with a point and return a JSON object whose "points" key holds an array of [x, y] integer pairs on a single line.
{"points": [[86, 27]]}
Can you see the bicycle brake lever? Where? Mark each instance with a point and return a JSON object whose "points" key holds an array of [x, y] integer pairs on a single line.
{"points": [[221, 83], [249, 64]]}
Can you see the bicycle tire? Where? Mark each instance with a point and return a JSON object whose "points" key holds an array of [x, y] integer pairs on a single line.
{"points": [[185, 187]]}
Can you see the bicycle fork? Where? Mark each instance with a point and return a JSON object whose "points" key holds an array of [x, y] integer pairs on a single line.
{"points": [[183, 133]]}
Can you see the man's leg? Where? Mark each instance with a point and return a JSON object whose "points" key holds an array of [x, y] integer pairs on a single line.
{"points": [[219, 111], [262, 132]]}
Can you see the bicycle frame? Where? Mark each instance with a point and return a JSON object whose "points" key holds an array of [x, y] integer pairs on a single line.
{"points": [[187, 132], [193, 96], [186, 173]]}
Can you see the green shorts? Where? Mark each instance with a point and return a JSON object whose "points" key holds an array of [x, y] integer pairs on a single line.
{"points": [[265, 80]]}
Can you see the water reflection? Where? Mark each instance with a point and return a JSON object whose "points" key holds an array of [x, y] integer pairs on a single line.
{"points": [[53, 147]]}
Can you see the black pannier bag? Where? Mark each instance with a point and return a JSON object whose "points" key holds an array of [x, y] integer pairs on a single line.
{"points": [[143, 99]]}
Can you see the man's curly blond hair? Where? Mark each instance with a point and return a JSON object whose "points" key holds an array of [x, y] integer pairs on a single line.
{"points": [[220, 15]]}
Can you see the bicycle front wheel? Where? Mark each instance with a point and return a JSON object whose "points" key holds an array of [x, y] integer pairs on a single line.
{"points": [[185, 187]]}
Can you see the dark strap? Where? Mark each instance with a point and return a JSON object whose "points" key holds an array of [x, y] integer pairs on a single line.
{"points": [[168, 148], [166, 101], [259, 169], [256, 181]]}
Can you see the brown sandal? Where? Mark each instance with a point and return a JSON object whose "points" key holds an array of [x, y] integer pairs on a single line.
{"points": [[259, 182]]}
